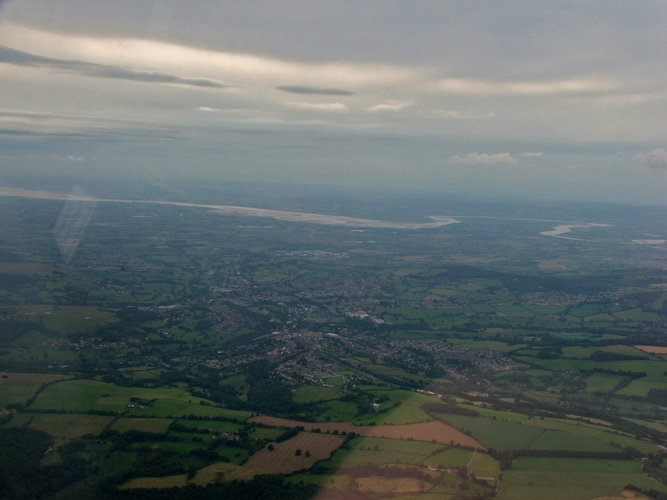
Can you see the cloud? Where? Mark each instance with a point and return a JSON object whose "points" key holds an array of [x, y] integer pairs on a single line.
{"points": [[331, 106], [252, 70], [447, 114], [655, 159], [524, 88], [485, 159], [529, 154], [74, 158], [297, 89], [391, 105], [21, 58]]}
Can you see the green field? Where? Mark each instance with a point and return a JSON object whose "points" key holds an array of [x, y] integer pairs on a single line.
{"points": [[83, 395], [17, 388], [261, 433], [485, 465], [402, 414], [69, 426], [497, 434], [602, 382], [603, 434], [554, 440], [500, 415], [361, 451], [570, 478], [655, 370], [66, 320], [309, 393], [548, 434], [453, 457]]}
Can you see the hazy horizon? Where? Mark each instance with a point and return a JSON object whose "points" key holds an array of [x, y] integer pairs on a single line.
{"points": [[547, 100]]}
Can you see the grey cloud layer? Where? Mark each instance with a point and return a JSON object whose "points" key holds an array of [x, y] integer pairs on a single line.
{"points": [[295, 89], [515, 96], [21, 58], [524, 38]]}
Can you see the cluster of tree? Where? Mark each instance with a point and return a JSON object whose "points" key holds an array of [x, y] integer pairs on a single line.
{"points": [[263, 487], [126, 439], [178, 427], [156, 462], [21, 475], [507, 456], [218, 419], [104, 413], [289, 434], [658, 396], [653, 467], [622, 373], [602, 356], [658, 495]]}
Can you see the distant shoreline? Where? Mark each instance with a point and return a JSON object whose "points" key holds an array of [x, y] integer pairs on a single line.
{"points": [[311, 218]]}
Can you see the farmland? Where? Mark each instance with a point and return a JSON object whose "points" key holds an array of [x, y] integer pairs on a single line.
{"points": [[17, 388], [298, 453], [174, 349], [570, 478], [429, 431]]}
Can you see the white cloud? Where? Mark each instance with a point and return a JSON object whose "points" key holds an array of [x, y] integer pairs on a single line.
{"points": [[74, 158], [524, 88], [655, 159], [391, 105], [532, 154], [243, 69], [319, 106], [485, 159]]}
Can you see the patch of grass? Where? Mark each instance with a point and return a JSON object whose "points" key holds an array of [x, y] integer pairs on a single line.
{"points": [[453, 457], [338, 411], [236, 455], [484, 465], [309, 393], [500, 415]]}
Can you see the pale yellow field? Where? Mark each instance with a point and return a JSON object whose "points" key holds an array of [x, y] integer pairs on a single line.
{"points": [[392, 485], [223, 471], [652, 349], [155, 482]]}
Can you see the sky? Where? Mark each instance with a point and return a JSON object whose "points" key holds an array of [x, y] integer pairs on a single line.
{"points": [[534, 99]]}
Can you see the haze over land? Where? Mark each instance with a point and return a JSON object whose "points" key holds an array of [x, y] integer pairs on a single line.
{"points": [[316, 250]]}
